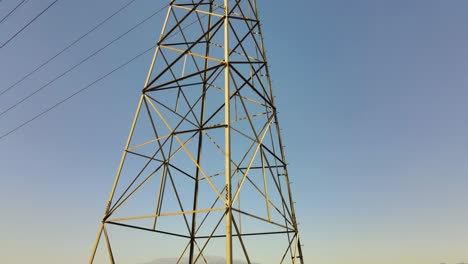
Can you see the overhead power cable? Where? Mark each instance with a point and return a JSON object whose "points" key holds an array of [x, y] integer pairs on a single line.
{"points": [[29, 23], [77, 92], [89, 85], [12, 11], [67, 47], [81, 62]]}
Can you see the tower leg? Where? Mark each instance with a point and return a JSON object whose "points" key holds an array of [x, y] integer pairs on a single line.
{"points": [[98, 237], [111, 195]]}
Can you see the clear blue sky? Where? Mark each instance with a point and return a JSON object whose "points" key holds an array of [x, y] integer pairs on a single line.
{"points": [[372, 97]]}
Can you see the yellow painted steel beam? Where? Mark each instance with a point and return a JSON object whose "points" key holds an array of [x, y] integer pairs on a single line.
{"points": [[199, 11], [191, 53]]}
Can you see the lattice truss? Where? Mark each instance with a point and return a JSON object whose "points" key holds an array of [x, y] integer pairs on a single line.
{"points": [[204, 147]]}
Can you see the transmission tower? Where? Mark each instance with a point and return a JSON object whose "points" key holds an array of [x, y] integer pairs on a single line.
{"points": [[204, 161]]}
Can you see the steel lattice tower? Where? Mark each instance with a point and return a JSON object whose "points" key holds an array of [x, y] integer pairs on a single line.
{"points": [[204, 160]]}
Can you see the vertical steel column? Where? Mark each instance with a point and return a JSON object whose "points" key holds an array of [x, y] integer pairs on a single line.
{"points": [[227, 136]]}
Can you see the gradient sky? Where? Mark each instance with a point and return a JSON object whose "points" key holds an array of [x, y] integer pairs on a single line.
{"points": [[372, 97]]}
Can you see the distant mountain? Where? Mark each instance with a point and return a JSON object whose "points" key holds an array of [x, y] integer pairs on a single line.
{"points": [[209, 259]]}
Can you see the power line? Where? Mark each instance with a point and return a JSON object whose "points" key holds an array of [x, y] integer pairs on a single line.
{"points": [[81, 62], [13, 10], [91, 84], [66, 48], [29, 23], [76, 93]]}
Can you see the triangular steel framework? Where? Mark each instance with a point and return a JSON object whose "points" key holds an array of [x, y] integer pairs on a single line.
{"points": [[205, 139]]}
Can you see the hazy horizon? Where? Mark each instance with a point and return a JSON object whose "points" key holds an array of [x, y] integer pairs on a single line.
{"points": [[210, 259]]}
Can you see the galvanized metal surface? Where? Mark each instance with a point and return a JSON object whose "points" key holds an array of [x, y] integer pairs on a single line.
{"points": [[207, 110]]}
